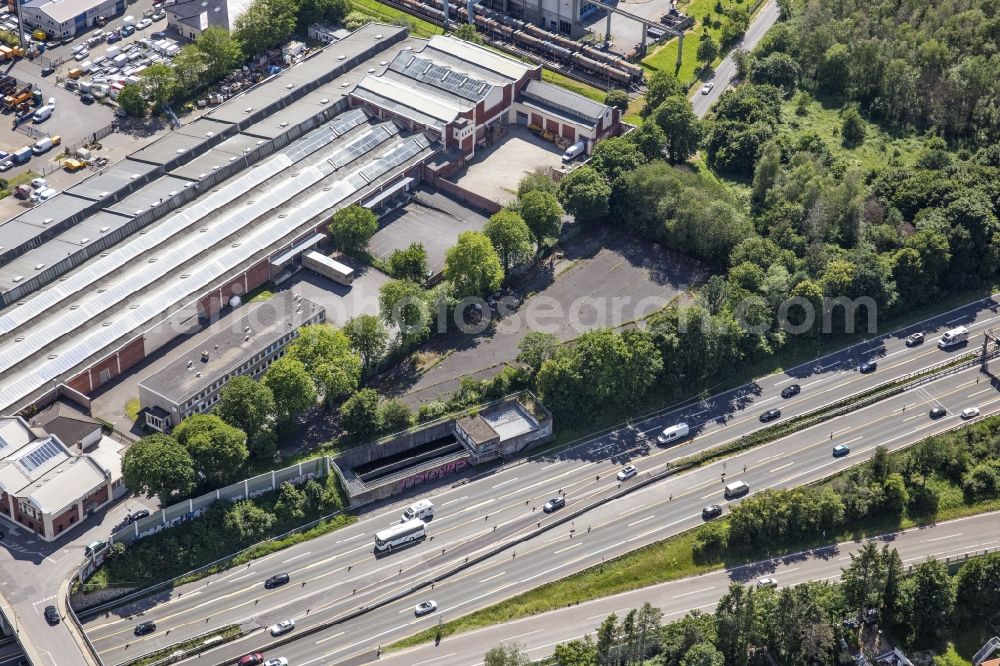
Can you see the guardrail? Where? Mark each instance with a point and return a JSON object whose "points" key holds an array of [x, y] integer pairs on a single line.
{"points": [[472, 561], [180, 655]]}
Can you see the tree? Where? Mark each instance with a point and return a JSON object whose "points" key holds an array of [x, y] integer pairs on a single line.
{"points": [[650, 139], [703, 654], [708, 50], [249, 405], [607, 634], [834, 72], [291, 503], [852, 128], [511, 238], [618, 99], [329, 11], [659, 87], [681, 126], [159, 83], [222, 51], [217, 448], [264, 24], [131, 101], [403, 304], [409, 264], [351, 228], [977, 588], [467, 31], [360, 413], [368, 337], [543, 215], [472, 265], [535, 348], [158, 466], [326, 352], [929, 603], [511, 654], [395, 415], [292, 388], [537, 180], [777, 69], [864, 580], [248, 522], [190, 66], [580, 652], [615, 158], [585, 195]]}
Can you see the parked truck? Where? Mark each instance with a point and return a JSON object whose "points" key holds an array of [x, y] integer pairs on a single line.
{"points": [[43, 113], [42, 146], [574, 151], [21, 155]]}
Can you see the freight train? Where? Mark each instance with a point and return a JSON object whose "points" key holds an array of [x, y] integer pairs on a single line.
{"points": [[530, 37]]}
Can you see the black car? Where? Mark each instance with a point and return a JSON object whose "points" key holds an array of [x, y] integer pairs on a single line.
{"points": [[553, 504], [867, 366], [914, 339], [87, 98], [276, 580], [770, 415], [938, 412], [711, 511], [139, 515], [48, 70], [51, 615], [789, 391], [144, 628], [158, 35]]}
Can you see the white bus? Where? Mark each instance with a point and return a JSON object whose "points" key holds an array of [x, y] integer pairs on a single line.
{"points": [[327, 267], [397, 535]]}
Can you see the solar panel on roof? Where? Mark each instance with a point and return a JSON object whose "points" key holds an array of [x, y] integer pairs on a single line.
{"points": [[3, 443], [37, 457]]}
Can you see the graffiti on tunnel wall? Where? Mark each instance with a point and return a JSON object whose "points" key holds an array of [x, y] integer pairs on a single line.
{"points": [[433, 474]]}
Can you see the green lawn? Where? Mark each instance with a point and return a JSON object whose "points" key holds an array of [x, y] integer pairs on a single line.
{"points": [[387, 14], [132, 407], [558, 79]]}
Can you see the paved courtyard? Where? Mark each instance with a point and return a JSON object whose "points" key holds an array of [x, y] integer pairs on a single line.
{"points": [[496, 170]]}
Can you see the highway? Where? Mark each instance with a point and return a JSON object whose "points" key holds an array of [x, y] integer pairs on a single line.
{"points": [[645, 516], [540, 633], [726, 71], [340, 570]]}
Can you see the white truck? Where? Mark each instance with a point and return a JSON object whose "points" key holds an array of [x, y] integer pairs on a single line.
{"points": [[42, 146], [43, 113], [574, 151], [953, 337]]}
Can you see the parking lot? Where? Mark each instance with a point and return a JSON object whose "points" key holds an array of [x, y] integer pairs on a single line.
{"points": [[433, 220], [625, 32], [496, 170]]}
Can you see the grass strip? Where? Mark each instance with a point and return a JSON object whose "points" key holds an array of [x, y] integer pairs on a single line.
{"points": [[175, 653], [387, 14], [573, 85]]}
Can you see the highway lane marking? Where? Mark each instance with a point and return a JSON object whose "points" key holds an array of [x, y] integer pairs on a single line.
{"points": [[641, 520], [950, 536], [985, 390], [523, 635], [457, 499], [330, 638], [443, 656], [563, 550], [851, 441], [955, 320], [910, 418], [688, 594], [360, 534], [486, 580], [295, 557], [785, 466]]}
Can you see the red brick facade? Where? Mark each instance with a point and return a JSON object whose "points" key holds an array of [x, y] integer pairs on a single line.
{"points": [[62, 522]]}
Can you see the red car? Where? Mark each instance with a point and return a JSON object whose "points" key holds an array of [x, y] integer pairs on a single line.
{"points": [[251, 659]]}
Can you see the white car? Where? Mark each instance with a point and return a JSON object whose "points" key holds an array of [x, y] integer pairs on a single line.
{"points": [[280, 661], [707, 88], [7, 166], [767, 581], [143, 24], [39, 183], [970, 412], [82, 55], [282, 627], [628, 471], [78, 48], [425, 607]]}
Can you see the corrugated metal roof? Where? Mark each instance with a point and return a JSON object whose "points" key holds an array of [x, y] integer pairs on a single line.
{"points": [[565, 101], [510, 420], [473, 53]]}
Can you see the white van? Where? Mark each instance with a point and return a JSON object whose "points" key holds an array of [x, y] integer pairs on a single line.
{"points": [[953, 337], [422, 509], [673, 433], [736, 489], [43, 113]]}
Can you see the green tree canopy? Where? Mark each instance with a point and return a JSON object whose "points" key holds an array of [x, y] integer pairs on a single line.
{"points": [[405, 305], [511, 238], [131, 100], [351, 228], [247, 404], [538, 180], [368, 337], [409, 263], [159, 83], [659, 87], [585, 195], [535, 348], [157, 466], [292, 387], [468, 32], [543, 215], [680, 125], [360, 413], [222, 51], [218, 449], [264, 24], [708, 49], [395, 415], [472, 265], [617, 98], [327, 355], [247, 522]]}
